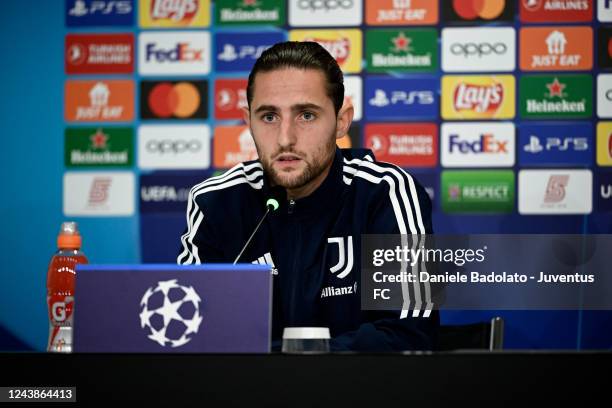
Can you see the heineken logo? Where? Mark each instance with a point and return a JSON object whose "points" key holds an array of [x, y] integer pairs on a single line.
{"points": [[555, 88], [556, 96], [99, 139], [405, 50], [98, 147], [478, 98], [250, 12], [401, 43]]}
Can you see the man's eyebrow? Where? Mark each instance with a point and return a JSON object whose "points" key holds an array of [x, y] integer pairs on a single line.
{"points": [[267, 108], [305, 106], [296, 108]]}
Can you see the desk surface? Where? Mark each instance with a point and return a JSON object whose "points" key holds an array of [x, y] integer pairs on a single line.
{"points": [[320, 380]]}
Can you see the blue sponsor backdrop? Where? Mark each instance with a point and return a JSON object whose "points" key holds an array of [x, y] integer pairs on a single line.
{"points": [[32, 122]]}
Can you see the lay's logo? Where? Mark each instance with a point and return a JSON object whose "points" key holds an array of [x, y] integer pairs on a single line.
{"points": [[175, 13], [343, 45], [339, 49], [478, 97]]}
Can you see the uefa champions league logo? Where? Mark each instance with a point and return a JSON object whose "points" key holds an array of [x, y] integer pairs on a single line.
{"points": [[170, 313]]}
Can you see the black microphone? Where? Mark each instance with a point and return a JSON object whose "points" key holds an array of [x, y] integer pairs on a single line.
{"points": [[271, 205]]}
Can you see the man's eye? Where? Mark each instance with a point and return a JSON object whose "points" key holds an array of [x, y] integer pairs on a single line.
{"points": [[308, 116], [268, 117]]}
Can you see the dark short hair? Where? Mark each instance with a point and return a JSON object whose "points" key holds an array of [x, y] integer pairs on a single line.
{"points": [[301, 55]]}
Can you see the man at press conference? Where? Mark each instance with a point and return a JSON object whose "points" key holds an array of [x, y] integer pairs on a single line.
{"points": [[328, 197]]}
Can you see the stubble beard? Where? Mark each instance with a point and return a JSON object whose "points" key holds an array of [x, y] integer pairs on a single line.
{"points": [[318, 164]]}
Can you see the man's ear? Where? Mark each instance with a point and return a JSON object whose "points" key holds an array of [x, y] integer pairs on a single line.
{"points": [[345, 118], [246, 115]]}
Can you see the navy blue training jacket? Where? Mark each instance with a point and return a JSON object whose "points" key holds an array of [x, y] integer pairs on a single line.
{"points": [[302, 240]]}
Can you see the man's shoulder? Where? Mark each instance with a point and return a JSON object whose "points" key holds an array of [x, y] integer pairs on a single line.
{"points": [[239, 180], [361, 169]]}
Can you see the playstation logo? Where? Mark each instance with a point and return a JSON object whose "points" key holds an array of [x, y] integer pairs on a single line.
{"points": [[534, 145]]}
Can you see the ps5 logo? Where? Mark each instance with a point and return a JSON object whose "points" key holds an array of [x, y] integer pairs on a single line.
{"points": [[575, 143], [345, 256]]}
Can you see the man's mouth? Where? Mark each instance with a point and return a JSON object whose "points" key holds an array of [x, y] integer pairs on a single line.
{"points": [[288, 158]]}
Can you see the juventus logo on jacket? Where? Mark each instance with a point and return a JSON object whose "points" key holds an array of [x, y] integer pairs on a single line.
{"points": [[345, 256]]}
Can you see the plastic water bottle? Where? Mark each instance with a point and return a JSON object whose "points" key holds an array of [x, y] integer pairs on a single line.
{"points": [[60, 287]]}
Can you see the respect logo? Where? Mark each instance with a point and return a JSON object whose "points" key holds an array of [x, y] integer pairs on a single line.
{"points": [[478, 97]]}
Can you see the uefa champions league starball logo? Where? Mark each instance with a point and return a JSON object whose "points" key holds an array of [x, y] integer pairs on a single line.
{"points": [[170, 313]]}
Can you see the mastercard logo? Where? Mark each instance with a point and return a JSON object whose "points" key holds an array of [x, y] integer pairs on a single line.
{"points": [[484, 9], [173, 100], [182, 100]]}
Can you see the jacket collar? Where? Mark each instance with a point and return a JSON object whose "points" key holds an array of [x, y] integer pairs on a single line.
{"points": [[326, 195]]}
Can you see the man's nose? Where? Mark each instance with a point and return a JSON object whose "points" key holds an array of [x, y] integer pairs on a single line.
{"points": [[286, 136]]}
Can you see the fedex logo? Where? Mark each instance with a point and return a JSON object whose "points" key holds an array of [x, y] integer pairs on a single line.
{"points": [[174, 53], [556, 145], [182, 52], [485, 144], [238, 52], [477, 144]]}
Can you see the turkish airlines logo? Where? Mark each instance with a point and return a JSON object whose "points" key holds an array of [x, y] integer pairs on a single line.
{"points": [[540, 11], [99, 54], [406, 144], [230, 98]]}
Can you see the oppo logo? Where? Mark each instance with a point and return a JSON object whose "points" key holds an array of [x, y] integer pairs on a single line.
{"points": [[316, 5], [479, 49], [174, 146]]}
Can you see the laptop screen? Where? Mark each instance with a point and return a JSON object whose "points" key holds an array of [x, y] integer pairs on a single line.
{"points": [[212, 308]]}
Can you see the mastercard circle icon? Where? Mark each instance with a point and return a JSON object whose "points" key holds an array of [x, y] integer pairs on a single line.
{"points": [[485, 9], [181, 99]]}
